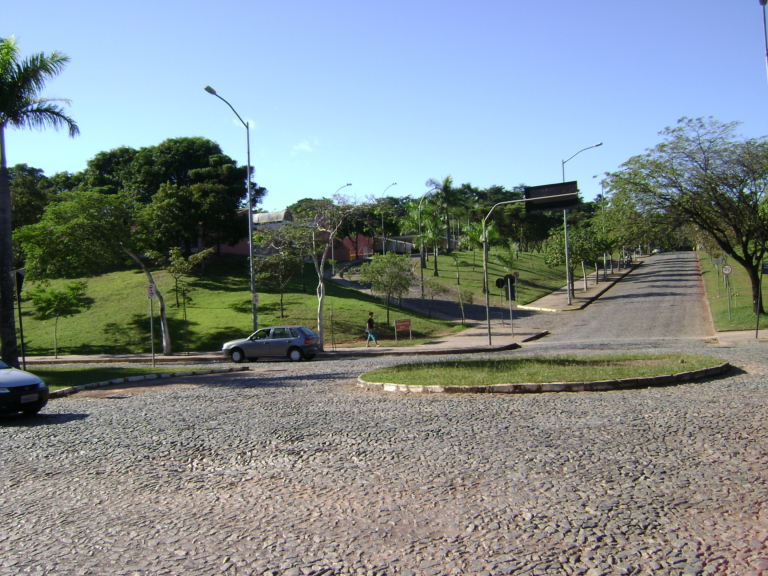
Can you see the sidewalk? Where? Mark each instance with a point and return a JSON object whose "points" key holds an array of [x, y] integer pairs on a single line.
{"points": [[557, 301]]}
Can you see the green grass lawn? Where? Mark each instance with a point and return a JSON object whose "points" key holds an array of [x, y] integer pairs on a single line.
{"points": [[540, 370], [118, 322], [742, 317]]}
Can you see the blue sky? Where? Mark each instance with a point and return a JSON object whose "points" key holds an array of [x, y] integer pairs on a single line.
{"points": [[370, 92]]}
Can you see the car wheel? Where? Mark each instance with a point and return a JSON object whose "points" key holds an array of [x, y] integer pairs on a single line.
{"points": [[309, 356], [295, 355], [237, 355]]}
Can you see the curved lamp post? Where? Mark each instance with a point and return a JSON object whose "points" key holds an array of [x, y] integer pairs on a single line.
{"points": [[383, 236], [485, 254], [254, 315], [568, 288]]}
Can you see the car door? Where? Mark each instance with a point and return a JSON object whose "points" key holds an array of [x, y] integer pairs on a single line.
{"points": [[281, 341], [258, 344]]}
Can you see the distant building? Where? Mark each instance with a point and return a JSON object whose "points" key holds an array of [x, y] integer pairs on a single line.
{"points": [[271, 220]]}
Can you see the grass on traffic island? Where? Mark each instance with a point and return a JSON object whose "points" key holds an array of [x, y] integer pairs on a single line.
{"points": [[539, 370]]}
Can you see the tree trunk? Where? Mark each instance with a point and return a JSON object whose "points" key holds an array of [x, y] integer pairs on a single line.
{"points": [[758, 306], [56, 337], [435, 263], [584, 272], [9, 351], [163, 319], [320, 302]]}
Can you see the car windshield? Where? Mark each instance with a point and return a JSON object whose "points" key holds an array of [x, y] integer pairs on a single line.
{"points": [[3, 365]]}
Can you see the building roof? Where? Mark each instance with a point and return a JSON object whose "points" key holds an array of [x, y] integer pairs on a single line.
{"points": [[272, 217]]}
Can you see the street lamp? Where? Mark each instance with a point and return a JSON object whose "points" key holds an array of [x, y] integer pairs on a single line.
{"points": [[383, 236], [254, 315], [422, 265], [485, 253], [565, 226]]}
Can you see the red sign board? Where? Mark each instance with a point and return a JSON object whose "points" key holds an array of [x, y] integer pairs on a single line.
{"points": [[402, 324]]}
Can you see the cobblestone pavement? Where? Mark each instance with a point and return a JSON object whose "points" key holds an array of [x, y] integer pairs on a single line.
{"points": [[290, 469]]}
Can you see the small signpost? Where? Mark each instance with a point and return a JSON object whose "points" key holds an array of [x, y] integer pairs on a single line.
{"points": [[727, 272], [151, 295], [403, 325]]}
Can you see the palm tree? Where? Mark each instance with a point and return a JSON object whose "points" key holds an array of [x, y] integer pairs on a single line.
{"points": [[21, 106], [448, 198]]}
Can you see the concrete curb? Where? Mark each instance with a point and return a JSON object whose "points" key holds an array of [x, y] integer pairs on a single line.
{"points": [[553, 386], [75, 389], [430, 352], [590, 299]]}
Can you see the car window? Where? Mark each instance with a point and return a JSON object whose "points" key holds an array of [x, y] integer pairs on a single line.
{"points": [[261, 334], [281, 333], [293, 333], [308, 332], [3, 365]]}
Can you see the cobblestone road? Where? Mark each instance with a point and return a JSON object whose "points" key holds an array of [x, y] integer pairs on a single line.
{"points": [[291, 469]]}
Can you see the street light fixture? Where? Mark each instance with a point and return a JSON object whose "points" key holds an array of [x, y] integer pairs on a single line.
{"points": [[568, 288], [485, 253], [383, 236], [254, 315]]}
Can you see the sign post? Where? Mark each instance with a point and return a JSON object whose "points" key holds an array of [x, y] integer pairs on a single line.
{"points": [[151, 293], [403, 325], [727, 273]]}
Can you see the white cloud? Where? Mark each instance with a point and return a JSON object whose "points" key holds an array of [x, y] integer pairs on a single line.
{"points": [[305, 146]]}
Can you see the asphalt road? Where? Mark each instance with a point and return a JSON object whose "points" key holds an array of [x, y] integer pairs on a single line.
{"points": [[663, 299], [291, 469]]}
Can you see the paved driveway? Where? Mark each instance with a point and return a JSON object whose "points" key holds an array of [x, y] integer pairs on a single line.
{"points": [[291, 469]]}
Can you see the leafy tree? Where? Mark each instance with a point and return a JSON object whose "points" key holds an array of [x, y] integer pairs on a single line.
{"points": [[178, 266], [448, 199], [30, 194], [21, 106], [434, 289], [81, 234], [390, 275], [708, 176], [55, 303], [464, 298], [313, 233], [276, 271]]}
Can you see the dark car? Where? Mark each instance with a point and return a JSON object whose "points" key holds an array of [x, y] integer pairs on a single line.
{"points": [[293, 342], [21, 391]]}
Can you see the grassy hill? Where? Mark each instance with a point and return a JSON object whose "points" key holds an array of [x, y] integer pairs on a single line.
{"points": [[220, 310]]}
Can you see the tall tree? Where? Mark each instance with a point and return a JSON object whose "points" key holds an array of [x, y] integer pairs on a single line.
{"points": [[447, 198], [55, 303], [21, 106], [710, 177], [84, 232]]}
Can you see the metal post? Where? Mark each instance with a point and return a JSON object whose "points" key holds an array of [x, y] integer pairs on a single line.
{"points": [[18, 276], [250, 205], [567, 258], [485, 276], [759, 295], [152, 331], [509, 294]]}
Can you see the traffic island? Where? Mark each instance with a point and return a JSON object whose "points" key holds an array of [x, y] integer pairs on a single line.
{"points": [[406, 384]]}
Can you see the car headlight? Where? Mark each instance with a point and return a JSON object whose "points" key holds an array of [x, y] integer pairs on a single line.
{"points": [[40, 385]]}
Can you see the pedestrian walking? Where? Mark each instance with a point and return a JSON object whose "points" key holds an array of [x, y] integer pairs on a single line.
{"points": [[369, 328]]}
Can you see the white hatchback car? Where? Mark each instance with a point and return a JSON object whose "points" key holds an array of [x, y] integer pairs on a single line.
{"points": [[21, 391]]}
